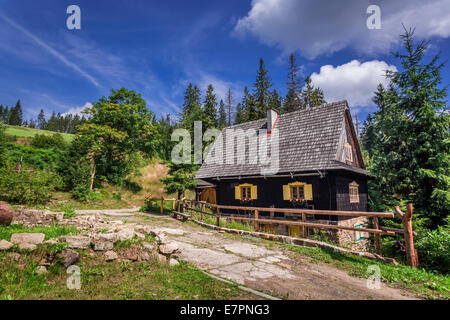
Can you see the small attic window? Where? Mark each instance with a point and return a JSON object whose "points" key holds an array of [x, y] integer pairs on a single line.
{"points": [[354, 192], [348, 152]]}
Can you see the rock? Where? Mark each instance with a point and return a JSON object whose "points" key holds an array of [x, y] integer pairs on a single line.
{"points": [[6, 214], [31, 238], [125, 234], [168, 248], [104, 241], [69, 257], [76, 242], [286, 266], [140, 235], [51, 241], [144, 229], [144, 256], [24, 246], [161, 238], [131, 253], [5, 245], [42, 270], [148, 246], [14, 256], [162, 258], [173, 262], [111, 255], [102, 245]]}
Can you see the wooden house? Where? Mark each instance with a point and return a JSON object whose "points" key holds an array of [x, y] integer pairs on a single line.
{"points": [[320, 165]]}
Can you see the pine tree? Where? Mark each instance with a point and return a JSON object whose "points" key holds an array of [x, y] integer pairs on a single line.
{"points": [[411, 128], [181, 177], [229, 105], [240, 115], [15, 116], [41, 123], [222, 121], [292, 101], [249, 106], [261, 90], [192, 110], [209, 109], [311, 96], [275, 101]]}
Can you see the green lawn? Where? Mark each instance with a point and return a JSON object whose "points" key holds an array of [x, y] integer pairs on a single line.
{"points": [[24, 132]]}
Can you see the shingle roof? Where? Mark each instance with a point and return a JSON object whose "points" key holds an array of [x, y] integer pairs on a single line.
{"points": [[308, 141]]}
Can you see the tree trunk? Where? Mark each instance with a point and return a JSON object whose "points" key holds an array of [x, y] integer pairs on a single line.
{"points": [[92, 173]]}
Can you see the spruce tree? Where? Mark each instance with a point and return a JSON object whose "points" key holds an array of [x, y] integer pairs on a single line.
{"points": [[249, 106], [209, 109], [229, 105], [275, 101], [192, 110], [311, 96], [410, 157], [261, 90], [292, 101], [240, 115], [222, 121], [41, 123]]}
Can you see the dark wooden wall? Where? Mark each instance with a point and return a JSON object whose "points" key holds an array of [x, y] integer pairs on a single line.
{"points": [[329, 193]]}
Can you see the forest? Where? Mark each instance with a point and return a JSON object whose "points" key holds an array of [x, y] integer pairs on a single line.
{"points": [[405, 143]]}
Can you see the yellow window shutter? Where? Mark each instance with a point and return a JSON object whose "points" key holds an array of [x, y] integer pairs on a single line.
{"points": [[237, 193], [308, 192], [286, 192], [254, 192]]}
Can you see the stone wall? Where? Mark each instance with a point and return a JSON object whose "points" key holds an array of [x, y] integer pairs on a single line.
{"points": [[31, 218], [353, 239]]}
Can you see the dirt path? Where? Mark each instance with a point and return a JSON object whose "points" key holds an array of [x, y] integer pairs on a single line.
{"points": [[251, 262]]}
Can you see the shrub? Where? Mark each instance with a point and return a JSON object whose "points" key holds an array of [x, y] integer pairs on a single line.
{"points": [[28, 188], [434, 250], [44, 141], [78, 179]]}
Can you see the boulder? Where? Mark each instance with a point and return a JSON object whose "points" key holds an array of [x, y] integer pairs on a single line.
{"points": [[111, 255], [104, 241], [25, 246], [41, 270], [125, 234], [51, 241], [168, 248], [5, 245], [76, 242], [132, 253], [69, 257], [162, 258], [6, 214], [14, 256], [31, 238], [173, 262], [148, 246], [144, 256]]}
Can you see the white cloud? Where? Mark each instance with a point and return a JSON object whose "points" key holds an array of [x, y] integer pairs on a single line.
{"points": [[316, 27], [78, 110], [353, 81]]}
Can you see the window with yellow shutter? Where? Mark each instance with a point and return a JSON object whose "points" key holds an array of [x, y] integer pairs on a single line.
{"points": [[297, 192], [246, 193]]}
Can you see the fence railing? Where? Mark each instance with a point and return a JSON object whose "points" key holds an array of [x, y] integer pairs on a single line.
{"points": [[181, 205]]}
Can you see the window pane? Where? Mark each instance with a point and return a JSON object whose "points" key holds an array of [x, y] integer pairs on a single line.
{"points": [[301, 192], [294, 192]]}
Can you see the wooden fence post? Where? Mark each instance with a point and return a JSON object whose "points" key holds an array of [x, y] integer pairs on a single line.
{"points": [[256, 222], [162, 205], [377, 236], [218, 216], [202, 209], [411, 253], [304, 230], [173, 204], [184, 204]]}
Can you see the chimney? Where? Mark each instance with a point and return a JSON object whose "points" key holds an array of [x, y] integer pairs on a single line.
{"points": [[272, 117]]}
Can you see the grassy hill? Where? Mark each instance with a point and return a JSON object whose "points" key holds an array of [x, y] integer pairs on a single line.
{"points": [[24, 132]]}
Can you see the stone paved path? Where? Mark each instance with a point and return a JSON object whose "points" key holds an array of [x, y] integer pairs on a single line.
{"points": [[258, 265]]}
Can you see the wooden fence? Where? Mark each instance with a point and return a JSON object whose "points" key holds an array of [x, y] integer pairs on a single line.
{"points": [[377, 230]]}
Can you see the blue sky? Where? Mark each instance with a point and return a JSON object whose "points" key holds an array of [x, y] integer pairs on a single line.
{"points": [[157, 47]]}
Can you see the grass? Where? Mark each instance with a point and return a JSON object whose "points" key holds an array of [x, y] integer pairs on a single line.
{"points": [[24, 132], [423, 283], [50, 232], [109, 280]]}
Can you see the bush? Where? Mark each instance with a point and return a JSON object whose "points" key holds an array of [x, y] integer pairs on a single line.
{"points": [[44, 141], [79, 179], [434, 250], [28, 188]]}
